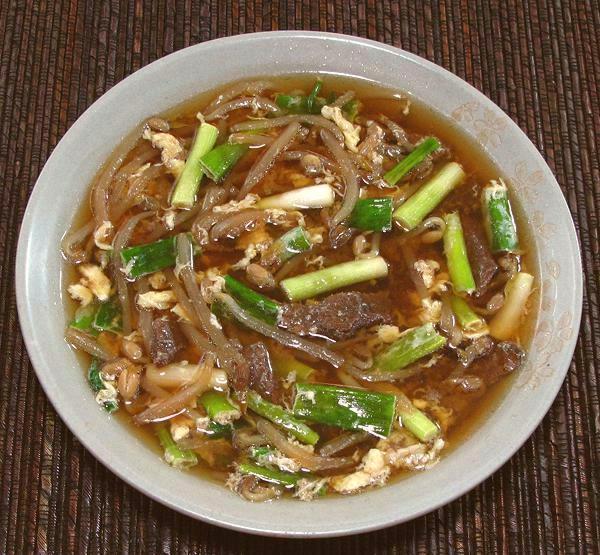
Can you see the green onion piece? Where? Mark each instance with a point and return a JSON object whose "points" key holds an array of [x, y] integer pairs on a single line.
{"points": [[84, 318], [351, 109], [149, 258], [499, 221], [98, 384], [506, 321], [219, 408], [345, 407], [455, 250], [372, 214], [109, 316], [220, 160], [291, 243], [271, 475], [416, 343], [295, 104], [184, 194], [417, 156], [282, 418], [312, 284], [467, 318], [412, 212], [310, 100], [217, 431], [416, 422], [314, 196], [285, 364], [256, 304], [174, 455]]}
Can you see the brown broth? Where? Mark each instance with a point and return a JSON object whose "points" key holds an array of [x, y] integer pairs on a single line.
{"points": [[471, 408]]}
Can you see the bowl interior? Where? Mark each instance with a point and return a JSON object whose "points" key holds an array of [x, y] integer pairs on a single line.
{"points": [[63, 184]]}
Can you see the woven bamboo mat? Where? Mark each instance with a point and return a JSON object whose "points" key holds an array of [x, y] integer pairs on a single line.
{"points": [[538, 60]]}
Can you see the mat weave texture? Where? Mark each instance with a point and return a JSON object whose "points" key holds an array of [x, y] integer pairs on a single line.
{"points": [[538, 60]]}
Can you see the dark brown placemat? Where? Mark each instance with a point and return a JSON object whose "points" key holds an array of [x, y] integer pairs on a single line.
{"points": [[538, 60]]}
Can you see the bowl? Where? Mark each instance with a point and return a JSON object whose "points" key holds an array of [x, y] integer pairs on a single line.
{"points": [[63, 184]]}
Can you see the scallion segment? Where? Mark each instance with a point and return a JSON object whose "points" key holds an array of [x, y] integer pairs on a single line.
{"points": [[173, 454], [285, 364], [256, 304], [109, 316], [455, 250], [506, 321], [220, 160], [149, 258], [293, 242], [312, 97], [219, 407], [314, 196], [468, 319], [272, 475], [415, 421], [106, 394], [417, 156], [413, 345], [412, 212], [146, 259], [345, 407], [312, 284], [184, 194], [498, 218], [282, 418], [84, 318], [372, 214], [300, 104]]}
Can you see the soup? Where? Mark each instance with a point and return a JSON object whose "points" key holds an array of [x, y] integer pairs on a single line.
{"points": [[302, 287]]}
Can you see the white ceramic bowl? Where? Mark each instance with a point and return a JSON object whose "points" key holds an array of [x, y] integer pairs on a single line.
{"points": [[63, 184]]}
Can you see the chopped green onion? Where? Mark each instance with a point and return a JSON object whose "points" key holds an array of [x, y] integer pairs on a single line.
{"points": [[282, 418], [256, 304], [417, 156], [109, 316], [499, 221], [173, 454], [467, 318], [314, 196], [285, 364], [455, 250], [413, 345], [345, 407], [149, 258], [372, 214], [84, 318], [312, 284], [110, 403], [412, 212], [300, 104], [507, 320], [220, 160], [291, 243], [272, 475], [416, 422], [310, 100], [351, 109], [219, 408], [184, 194]]}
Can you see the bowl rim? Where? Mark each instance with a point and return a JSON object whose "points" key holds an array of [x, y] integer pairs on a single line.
{"points": [[28, 325]]}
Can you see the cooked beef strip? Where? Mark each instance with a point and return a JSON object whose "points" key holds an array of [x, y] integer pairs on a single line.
{"points": [[482, 262], [261, 376], [167, 341], [339, 316], [505, 358]]}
